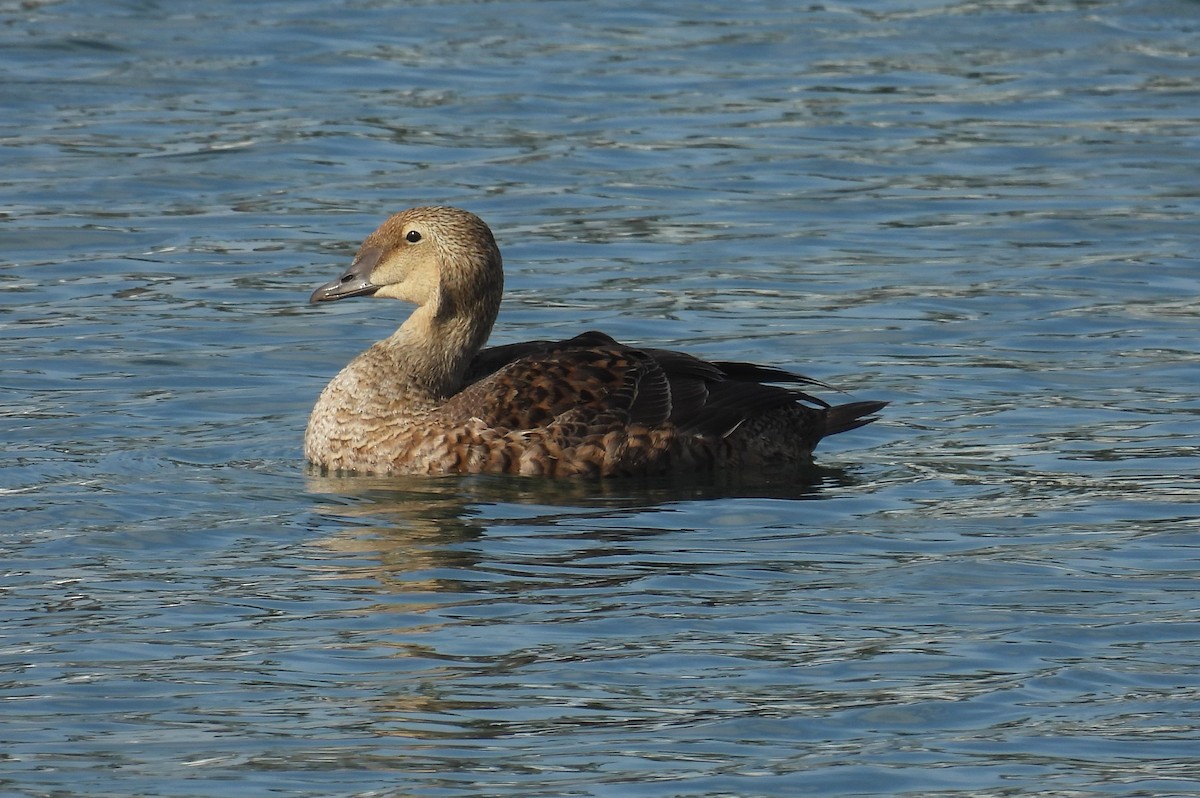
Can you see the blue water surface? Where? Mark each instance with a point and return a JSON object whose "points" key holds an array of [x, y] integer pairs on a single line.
{"points": [[981, 211]]}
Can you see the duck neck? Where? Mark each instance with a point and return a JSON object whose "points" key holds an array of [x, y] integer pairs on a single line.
{"points": [[433, 349]]}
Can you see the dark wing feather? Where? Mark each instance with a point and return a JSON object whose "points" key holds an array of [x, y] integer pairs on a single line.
{"points": [[493, 358], [614, 382], [752, 372], [530, 384], [731, 403]]}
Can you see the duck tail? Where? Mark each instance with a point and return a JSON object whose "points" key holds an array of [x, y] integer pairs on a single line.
{"points": [[853, 415]]}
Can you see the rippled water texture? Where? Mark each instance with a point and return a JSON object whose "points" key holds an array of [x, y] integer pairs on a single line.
{"points": [[984, 212]]}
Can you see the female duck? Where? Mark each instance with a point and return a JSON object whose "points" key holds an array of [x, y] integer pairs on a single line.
{"points": [[427, 400]]}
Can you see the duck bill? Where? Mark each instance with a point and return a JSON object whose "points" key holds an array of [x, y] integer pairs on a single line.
{"points": [[355, 281]]}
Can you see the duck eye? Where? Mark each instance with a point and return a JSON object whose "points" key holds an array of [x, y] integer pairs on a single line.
{"points": [[412, 237]]}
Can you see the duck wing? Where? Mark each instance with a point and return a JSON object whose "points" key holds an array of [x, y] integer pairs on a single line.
{"points": [[490, 360], [595, 378], [588, 377]]}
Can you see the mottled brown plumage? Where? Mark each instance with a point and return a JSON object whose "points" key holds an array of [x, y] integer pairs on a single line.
{"points": [[430, 400]]}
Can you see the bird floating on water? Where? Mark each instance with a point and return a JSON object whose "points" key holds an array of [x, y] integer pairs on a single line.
{"points": [[429, 399]]}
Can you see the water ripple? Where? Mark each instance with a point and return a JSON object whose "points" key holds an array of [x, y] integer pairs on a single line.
{"points": [[980, 211]]}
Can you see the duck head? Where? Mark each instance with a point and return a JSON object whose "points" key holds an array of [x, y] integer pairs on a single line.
{"points": [[442, 259]]}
